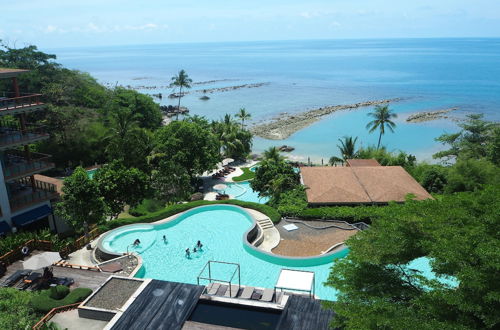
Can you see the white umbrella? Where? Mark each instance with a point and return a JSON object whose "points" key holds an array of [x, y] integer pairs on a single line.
{"points": [[41, 260], [227, 161], [220, 187]]}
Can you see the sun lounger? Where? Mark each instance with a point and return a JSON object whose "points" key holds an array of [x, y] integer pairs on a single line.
{"points": [[212, 288], [247, 292], [67, 281], [18, 275], [233, 292], [31, 280], [267, 295]]}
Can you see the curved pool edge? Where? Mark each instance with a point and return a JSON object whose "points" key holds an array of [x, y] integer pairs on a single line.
{"points": [[289, 261]]}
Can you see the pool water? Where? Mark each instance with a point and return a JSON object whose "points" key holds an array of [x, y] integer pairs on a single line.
{"points": [[243, 192], [220, 228], [91, 173]]}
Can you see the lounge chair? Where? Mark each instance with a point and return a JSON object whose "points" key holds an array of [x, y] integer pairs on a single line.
{"points": [[267, 295], [14, 278], [212, 288], [233, 292], [67, 281], [247, 292], [29, 281]]}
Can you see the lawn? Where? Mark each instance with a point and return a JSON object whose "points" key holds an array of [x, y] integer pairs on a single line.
{"points": [[247, 175]]}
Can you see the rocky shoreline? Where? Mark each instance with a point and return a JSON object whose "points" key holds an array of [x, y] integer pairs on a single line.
{"points": [[282, 127], [424, 116]]}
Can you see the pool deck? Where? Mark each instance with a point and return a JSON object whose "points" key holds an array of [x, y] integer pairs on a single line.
{"points": [[306, 241]]}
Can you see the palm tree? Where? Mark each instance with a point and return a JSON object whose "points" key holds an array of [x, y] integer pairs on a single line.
{"points": [[347, 147], [382, 116], [243, 115], [274, 154], [181, 80]]}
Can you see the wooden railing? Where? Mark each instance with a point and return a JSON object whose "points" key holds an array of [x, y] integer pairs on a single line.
{"points": [[10, 103], [43, 191], [80, 242], [10, 134], [16, 254], [53, 312], [76, 266], [17, 163]]}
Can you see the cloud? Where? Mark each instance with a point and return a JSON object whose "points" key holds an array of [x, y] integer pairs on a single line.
{"points": [[335, 24], [309, 15]]}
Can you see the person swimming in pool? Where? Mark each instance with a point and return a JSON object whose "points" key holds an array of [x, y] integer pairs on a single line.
{"points": [[137, 242], [199, 245], [194, 250], [164, 239], [188, 253]]}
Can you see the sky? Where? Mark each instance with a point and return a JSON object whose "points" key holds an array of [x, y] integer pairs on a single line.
{"points": [[69, 23]]}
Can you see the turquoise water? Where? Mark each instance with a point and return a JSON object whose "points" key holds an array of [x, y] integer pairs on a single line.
{"points": [[243, 192], [91, 173], [429, 73], [220, 228]]}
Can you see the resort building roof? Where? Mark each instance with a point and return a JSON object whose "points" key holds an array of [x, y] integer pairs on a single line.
{"points": [[362, 162], [359, 185], [9, 73]]}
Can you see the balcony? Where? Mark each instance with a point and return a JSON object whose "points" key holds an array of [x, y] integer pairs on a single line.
{"points": [[11, 105], [11, 135], [16, 165], [23, 195]]}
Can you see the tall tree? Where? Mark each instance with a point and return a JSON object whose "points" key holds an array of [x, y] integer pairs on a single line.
{"points": [[243, 115], [181, 80], [382, 116], [189, 145], [170, 181], [235, 141], [273, 154], [81, 201], [120, 186], [459, 234]]}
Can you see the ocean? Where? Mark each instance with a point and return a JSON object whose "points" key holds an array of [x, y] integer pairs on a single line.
{"points": [[429, 74]]}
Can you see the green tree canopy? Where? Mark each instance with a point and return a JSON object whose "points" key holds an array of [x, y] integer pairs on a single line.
{"points": [[81, 201], [460, 236], [170, 181], [120, 186], [189, 145]]}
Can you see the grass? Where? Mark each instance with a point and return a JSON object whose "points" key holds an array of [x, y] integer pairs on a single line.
{"points": [[247, 175], [147, 206]]}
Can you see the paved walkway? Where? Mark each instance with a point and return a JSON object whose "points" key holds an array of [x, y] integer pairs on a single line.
{"points": [[71, 321]]}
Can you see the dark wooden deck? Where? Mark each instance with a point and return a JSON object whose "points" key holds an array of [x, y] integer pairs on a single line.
{"points": [[162, 305], [304, 313], [83, 278]]}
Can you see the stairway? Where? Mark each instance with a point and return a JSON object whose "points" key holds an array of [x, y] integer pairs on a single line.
{"points": [[265, 223]]}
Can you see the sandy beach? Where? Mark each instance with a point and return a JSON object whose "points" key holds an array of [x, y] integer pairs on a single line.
{"points": [[282, 127]]}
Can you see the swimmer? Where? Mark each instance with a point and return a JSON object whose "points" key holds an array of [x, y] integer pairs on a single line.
{"points": [[194, 250], [199, 245], [137, 242], [188, 253], [164, 239]]}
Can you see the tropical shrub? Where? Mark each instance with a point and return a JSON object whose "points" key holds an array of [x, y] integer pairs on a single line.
{"points": [[16, 312], [43, 302], [292, 203]]}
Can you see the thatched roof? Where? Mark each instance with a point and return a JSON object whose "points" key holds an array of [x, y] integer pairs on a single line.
{"points": [[359, 185]]}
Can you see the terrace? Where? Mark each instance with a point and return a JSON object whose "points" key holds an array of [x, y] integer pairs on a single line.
{"points": [[11, 135], [24, 194], [18, 165], [11, 104]]}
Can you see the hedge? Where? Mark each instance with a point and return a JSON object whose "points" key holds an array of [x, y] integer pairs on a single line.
{"points": [[350, 213], [247, 175], [177, 208], [44, 303]]}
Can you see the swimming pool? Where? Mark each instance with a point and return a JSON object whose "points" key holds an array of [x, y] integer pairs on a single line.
{"points": [[221, 229], [243, 192], [91, 172]]}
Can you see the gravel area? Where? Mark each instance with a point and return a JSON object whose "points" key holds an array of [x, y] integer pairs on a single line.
{"points": [[306, 242], [114, 294], [129, 263]]}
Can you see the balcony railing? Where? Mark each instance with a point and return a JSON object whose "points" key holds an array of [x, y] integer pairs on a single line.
{"points": [[8, 103], [23, 194], [11, 134], [16, 164]]}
